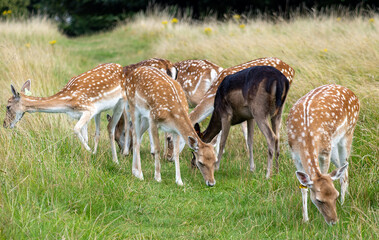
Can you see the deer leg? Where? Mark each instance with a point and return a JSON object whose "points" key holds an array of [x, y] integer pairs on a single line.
{"points": [[97, 132], [250, 134], [245, 133], [168, 147], [324, 159], [84, 119], [275, 123], [304, 194], [344, 148], [217, 146], [84, 132], [127, 129], [270, 138], [117, 112], [155, 150], [176, 141], [136, 168], [224, 135]]}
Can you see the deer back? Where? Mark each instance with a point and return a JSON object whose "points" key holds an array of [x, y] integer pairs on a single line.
{"points": [[162, 64], [320, 118], [195, 77], [207, 101], [156, 91]]}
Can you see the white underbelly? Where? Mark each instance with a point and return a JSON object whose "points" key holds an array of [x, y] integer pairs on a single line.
{"points": [[106, 104]]}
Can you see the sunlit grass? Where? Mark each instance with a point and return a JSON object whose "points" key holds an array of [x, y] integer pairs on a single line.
{"points": [[52, 188]]}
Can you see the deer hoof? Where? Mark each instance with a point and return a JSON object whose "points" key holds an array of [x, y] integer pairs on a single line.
{"points": [[179, 182], [158, 178], [138, 174]]}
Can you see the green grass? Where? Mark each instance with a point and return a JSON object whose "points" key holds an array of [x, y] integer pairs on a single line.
{"points": [[52, 188]]}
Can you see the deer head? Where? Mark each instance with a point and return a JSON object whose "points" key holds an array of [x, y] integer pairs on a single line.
{"points": [[200, 134], [204, 159], [323, 193], [15, 108]]}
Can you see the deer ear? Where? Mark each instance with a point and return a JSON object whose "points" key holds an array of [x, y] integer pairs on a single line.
{"points": [[338, 173], [174, 73], [304, 178], [197, 128], [214, 140], [26, 87], [14, 92], [192, 142], [109, 118]]}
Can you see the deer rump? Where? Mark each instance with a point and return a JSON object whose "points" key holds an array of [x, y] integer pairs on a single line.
{"points": [[238, 92]]}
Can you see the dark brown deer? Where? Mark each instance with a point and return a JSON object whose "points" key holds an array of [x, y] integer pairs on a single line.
{"points": [[205, 106], [320, 128], [253, 95]]}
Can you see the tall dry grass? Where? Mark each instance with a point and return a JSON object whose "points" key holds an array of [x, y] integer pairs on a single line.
{"points": [[52, 188]]}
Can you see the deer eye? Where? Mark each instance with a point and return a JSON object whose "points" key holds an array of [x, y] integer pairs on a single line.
{"points": [[319, 202], [8, 107], [201, 164]]}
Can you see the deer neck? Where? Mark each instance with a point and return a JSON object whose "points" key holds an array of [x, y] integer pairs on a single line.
{"points": [[203, 109], [310, 161], [214, 128], [186, 130], [44, 104]]}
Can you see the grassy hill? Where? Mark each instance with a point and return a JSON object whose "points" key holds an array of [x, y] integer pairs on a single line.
{"points": [[52, 188]]}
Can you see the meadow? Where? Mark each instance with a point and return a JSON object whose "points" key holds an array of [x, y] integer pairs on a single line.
{"points": [[52, 188]]}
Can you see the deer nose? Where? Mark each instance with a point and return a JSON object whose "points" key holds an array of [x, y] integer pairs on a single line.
{"points": [[210, 184], [332, 222]]}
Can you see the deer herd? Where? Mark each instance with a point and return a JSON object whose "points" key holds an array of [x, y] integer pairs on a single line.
{"points": [[156, 94]]}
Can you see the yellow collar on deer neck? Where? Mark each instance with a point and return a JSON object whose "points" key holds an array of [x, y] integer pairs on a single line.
{"points": [[302, 186]]}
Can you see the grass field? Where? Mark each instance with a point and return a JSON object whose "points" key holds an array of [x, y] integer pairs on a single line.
{"points": [[51, 188]]}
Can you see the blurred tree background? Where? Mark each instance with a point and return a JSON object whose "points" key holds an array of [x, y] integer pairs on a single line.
{"points": [[78, 17]]}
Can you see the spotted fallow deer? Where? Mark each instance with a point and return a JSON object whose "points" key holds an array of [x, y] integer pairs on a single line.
{"points": [[83, 98], [160, 101], [195, 77], [254, 94], [320, 128], [123, 133]]}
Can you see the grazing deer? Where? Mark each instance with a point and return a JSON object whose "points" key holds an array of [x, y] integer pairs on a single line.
{"points": [[83, 98], [320, 128], [195, 77], [205, 107], [160, 101], [123, 132], [254, 94]]}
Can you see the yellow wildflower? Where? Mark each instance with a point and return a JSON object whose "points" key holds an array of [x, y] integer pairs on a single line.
{"points": [[164, 22], [174, 20], [208, 30], [242, 26], [237, 17], [5, 12], [9, 11], [28, 45], [325, 50], [371, 20], [53, 42], [338, 19]]}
